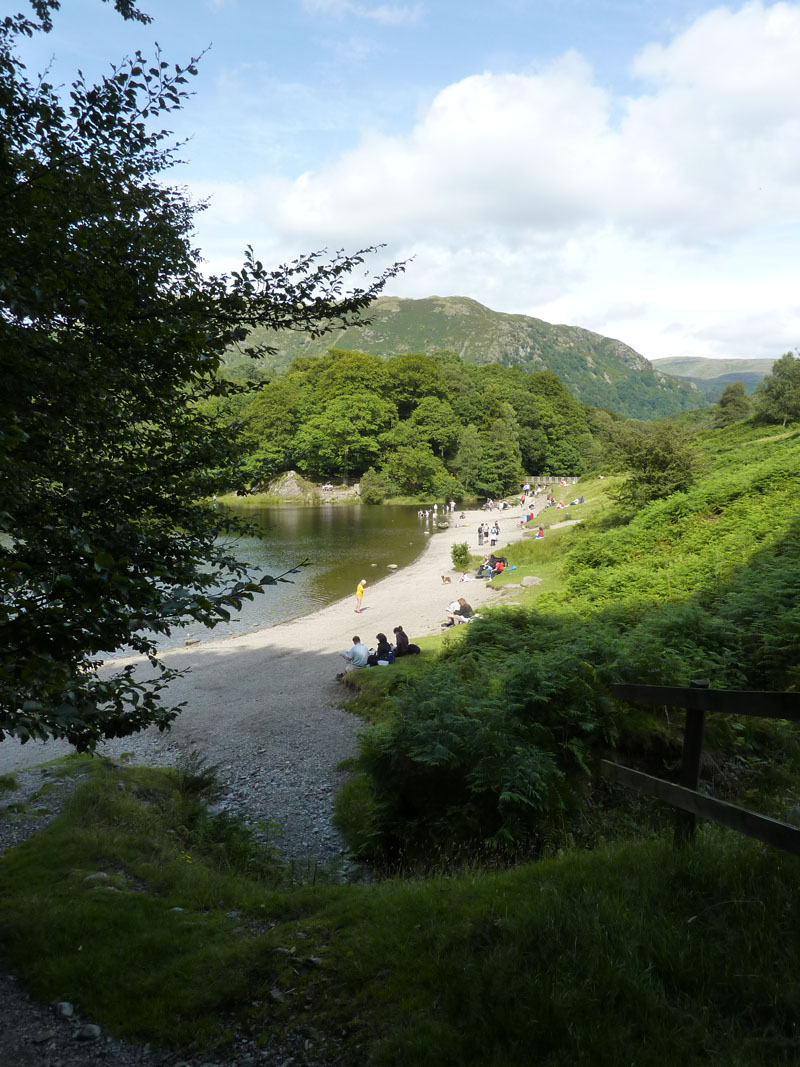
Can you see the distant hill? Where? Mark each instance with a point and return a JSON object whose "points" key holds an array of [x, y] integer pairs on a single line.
{"points": [[712, 375], [597, 370]]}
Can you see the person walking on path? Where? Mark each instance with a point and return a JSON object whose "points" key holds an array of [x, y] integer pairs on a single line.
{"points": [[360, 594]]}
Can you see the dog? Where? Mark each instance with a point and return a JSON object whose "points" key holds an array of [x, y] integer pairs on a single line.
{"points": [[445, 579]]}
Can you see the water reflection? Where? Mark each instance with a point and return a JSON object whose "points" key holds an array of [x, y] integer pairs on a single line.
{"points": [[343, 543]]}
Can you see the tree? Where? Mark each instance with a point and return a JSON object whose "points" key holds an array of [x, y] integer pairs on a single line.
{"points": [[659, 460], [344, 438], [111, 338], [733, 406], [778, 395], [437, 423], [373, 487]]}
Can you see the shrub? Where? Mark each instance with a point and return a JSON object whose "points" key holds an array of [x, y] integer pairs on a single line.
{"points": [[461, 556]]}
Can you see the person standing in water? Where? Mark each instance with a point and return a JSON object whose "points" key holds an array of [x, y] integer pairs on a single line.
{"points": [[360, 594]]}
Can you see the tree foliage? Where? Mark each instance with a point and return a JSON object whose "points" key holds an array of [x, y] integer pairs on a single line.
{"points": [[109, 441], [778, 395], [733, 406], [659, 460], [430, 424]]}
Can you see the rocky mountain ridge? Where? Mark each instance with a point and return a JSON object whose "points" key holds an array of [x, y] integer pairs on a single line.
{"points": [[597, 370]]}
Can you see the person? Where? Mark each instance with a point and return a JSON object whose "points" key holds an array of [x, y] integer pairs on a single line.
{"points": [[485, 568], [480, 535], [402, 646], [498, 568], [384, 653], [457, 612], [356, 657], [360, 594], [540, 532]]}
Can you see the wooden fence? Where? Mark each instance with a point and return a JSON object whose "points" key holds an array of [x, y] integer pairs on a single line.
{"points": [[696, 701]]}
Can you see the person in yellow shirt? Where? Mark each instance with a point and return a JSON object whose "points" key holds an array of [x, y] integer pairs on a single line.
{"points": [[360, 594]]}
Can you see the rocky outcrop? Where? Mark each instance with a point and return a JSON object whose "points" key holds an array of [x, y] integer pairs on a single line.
{"points": [[292, 486]]}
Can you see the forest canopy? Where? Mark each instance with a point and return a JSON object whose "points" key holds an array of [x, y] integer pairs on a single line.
{"points": [[425, 424]]}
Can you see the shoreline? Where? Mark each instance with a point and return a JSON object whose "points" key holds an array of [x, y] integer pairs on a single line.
{"points": [[415, 591], [274, 690]]}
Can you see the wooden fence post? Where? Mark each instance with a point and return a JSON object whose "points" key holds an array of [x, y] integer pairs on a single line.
{"points": [[685, 821]]}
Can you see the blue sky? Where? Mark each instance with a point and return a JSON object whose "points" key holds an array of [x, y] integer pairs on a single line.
{"points": [[629, 167]]}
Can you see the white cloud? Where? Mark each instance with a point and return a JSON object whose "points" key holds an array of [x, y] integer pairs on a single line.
{"points": [[541, 192], [389, 14]]}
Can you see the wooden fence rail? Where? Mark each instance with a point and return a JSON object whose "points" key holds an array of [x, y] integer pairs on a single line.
{"points": [[697, 700]]}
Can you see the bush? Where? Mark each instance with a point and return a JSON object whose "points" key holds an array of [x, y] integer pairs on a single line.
{"points": [[461, 556]]}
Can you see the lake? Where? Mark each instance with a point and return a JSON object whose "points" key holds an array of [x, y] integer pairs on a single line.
{"points": [[342, 542]]}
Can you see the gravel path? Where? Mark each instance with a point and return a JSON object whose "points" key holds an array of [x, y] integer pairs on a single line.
{"points": [[263, 707]]}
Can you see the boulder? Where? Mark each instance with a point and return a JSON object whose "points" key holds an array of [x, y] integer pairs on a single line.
{"points": [[292, 486]]}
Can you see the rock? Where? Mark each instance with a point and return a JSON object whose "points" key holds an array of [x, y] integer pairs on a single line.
{"points": [[98, 876], [64, 1010], [391, 566], [89, 1032], [530, 580], [291, 485]]}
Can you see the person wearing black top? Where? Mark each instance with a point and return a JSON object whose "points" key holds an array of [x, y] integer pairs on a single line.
{"points": [[383, 651]]}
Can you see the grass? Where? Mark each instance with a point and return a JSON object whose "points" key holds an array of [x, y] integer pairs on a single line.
{"points": [[133, 906]]}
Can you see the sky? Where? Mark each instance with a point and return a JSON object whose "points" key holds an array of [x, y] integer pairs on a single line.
{"points": [[628, 166]]}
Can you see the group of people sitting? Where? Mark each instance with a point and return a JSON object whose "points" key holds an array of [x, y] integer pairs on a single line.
{"points": [[492, 566], [383, 654]]}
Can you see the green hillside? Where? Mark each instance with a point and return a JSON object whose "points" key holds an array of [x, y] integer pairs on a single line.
{"points": [[698, 367], [597, 370], [712, 375]]}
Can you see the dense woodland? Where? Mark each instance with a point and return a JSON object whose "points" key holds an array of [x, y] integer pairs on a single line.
{"points": [[413, 425], [416, 425]]}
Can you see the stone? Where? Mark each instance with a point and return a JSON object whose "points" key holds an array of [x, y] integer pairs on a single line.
{"points": [[89, 1032], [530, 580], [64, 1010]]}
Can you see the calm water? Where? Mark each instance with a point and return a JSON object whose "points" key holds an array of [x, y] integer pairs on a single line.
{"points": [[343, 544]]}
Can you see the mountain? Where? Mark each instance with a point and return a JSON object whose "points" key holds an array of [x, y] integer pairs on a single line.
{"points": [[597, 370], [712, 375]]}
